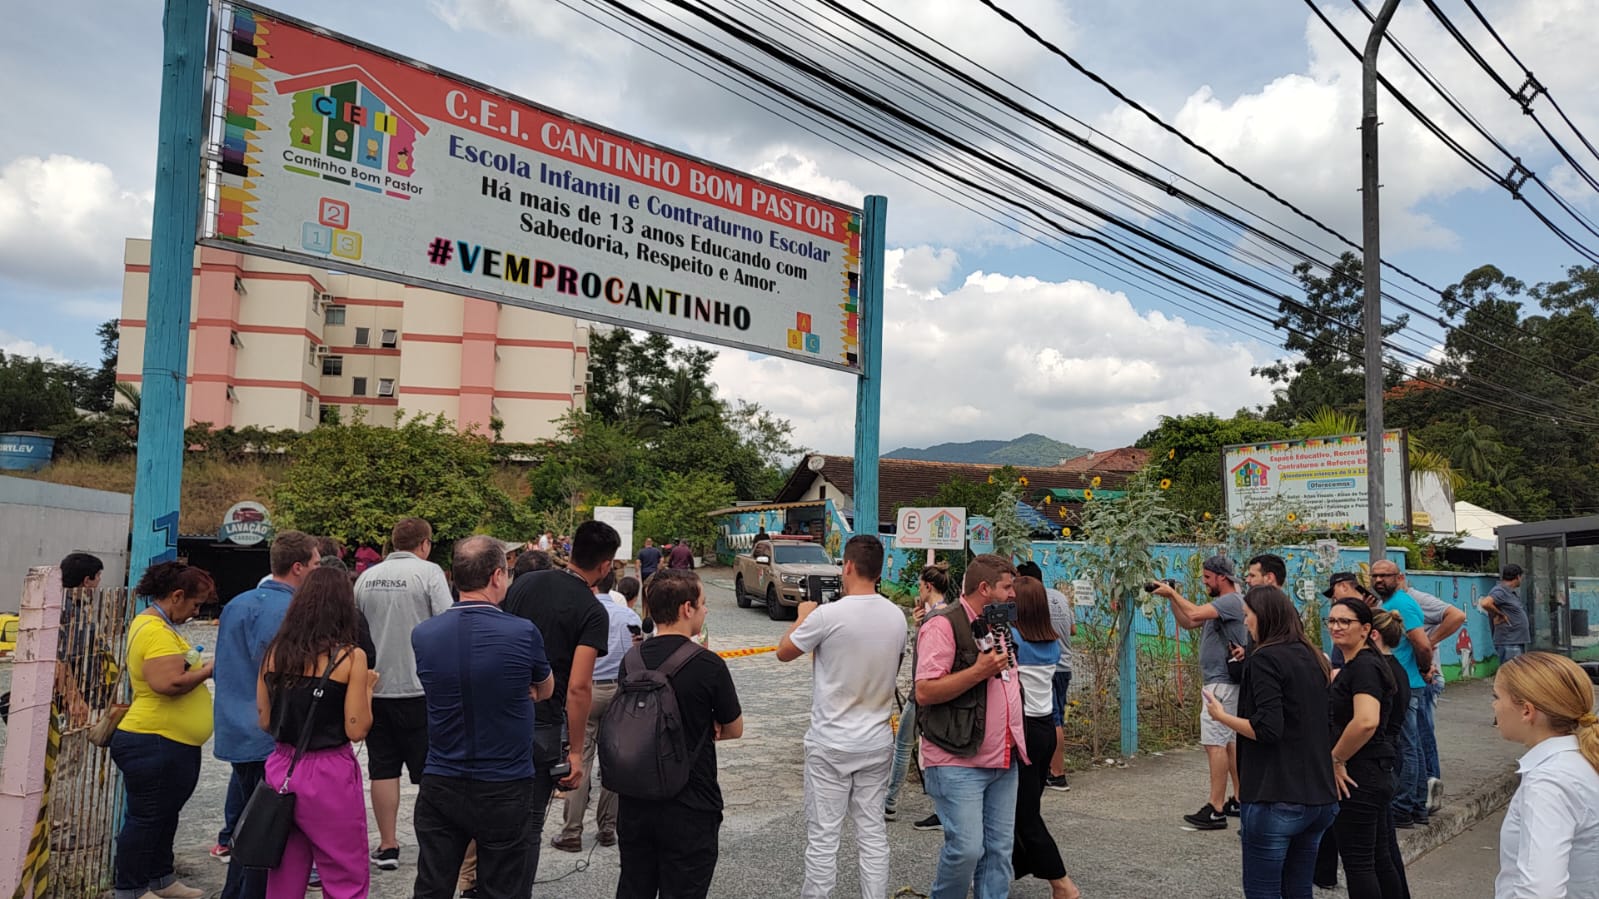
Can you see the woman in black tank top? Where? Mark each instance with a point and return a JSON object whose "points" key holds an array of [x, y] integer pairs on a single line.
{"points": [[319, 629]]}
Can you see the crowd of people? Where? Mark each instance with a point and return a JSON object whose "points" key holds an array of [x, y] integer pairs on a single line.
{"points": [[521, 679]]}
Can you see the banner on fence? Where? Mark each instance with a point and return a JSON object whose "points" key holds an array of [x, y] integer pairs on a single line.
{"points": [[1323, 477], [338, 154]]}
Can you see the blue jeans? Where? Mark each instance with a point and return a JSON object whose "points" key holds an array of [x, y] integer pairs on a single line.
{"points": [[904, 743], [1061, 681], [1411, 781], [1429, 739], [1280, 840], [159, 776], [1508, 651], [977, 807]]}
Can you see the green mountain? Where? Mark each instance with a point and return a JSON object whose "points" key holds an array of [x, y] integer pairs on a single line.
{"points": [[1026, 450]]}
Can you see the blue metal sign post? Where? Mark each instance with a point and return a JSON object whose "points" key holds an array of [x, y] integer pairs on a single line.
{"points": [[180, 131], [869, 387]]}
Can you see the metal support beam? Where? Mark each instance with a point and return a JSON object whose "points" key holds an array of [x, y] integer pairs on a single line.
{"points": [[180, 131], [869, 387], [1371, 267]]}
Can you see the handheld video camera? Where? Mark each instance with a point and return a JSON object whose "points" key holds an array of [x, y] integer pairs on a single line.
{"points": [[999, 615], [1152, 586], [562, 768], [815, 592]]}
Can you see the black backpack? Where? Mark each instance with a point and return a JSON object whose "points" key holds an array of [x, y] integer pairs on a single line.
{"points": [[643, 746]]}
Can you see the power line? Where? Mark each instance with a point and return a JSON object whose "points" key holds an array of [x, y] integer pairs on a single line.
{"points": [[1511, 183], [1532, 87], [1110, 245], [1119, 95]]}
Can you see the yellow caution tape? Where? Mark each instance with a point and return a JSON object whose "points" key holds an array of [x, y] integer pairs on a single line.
{"points": [[740, 653]]}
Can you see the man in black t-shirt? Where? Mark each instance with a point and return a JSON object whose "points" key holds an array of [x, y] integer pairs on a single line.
{"points": [[669, 846], [576, 631]]}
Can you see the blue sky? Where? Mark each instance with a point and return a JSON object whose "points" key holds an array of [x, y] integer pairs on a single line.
{"points": [[988, 335]]}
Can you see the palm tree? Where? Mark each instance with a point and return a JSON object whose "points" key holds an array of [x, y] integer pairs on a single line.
{"points": [[1329, 422], [1475, 449], [680, 399]]}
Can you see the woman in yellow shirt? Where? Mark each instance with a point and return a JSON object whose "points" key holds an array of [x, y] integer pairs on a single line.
{"points": [[157, 745]]}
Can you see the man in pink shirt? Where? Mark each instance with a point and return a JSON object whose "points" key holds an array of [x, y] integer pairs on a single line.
{"points": [[969, 710]]}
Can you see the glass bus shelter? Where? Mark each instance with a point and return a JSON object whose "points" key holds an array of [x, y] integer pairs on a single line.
{"points": [[1560, 582]]}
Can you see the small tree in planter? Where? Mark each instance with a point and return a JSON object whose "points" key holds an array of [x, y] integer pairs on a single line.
{"points": [[1120, 537]]}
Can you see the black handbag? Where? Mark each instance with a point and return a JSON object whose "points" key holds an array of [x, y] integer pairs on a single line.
{"points": [[263, 827]]}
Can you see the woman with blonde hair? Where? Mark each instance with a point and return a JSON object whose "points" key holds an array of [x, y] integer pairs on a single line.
{"points": [[1549, 843]]}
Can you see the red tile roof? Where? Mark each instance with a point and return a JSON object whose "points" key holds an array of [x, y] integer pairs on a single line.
{"points": [[1127, 459], [902, 481]]}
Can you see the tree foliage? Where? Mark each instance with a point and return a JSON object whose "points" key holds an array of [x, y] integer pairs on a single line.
{"points": [[1514, 424], [354, 481], [676, 508]]}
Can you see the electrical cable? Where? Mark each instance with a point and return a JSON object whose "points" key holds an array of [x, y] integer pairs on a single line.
{"points": [[742, 33], [1509, 183], [1532, 82], [795, 97]]}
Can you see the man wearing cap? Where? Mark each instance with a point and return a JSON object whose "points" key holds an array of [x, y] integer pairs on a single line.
{"points": [[1223, 621]]}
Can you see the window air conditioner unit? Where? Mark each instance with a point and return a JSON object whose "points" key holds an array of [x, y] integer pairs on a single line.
{"points": [[324, 298], [322, 350]]}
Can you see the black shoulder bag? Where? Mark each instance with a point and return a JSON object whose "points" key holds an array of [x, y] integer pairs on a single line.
{"points": [[263, 827]]}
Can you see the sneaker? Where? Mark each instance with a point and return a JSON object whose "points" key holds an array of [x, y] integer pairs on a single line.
{"points": [[568, 844], [1435, 794], [1207, 818], [221, 853], [890, 813], [1421, 818], [930, 822], [313, 883], [1230, 807], [1404, 821], [1057, 782], [387, 859]]}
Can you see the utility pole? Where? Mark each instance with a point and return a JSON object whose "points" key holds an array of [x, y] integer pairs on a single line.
{"points": [[1371, 267]]}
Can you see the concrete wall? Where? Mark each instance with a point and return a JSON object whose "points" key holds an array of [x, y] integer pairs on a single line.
{"points": [[40, 523]]}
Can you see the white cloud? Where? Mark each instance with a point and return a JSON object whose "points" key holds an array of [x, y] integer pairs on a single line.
{"points": [[1002, 355], [12, 345], [1298, 132], [63, 221]]}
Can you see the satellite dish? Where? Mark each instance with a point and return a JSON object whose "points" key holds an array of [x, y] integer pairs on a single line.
{"points": [[815, 463]]}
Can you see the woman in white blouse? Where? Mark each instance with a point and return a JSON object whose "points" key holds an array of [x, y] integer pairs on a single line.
{"points": [[1549, 844]]}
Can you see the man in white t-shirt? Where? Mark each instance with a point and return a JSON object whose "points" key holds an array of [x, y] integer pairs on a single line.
{"points": [[857, 642]]}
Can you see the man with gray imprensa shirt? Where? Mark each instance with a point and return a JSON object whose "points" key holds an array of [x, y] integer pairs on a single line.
{"points": [[396, 595], [1503, 605], [1223, 621]]}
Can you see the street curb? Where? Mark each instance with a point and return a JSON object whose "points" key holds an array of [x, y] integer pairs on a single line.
{"points": [[1458, 815]]}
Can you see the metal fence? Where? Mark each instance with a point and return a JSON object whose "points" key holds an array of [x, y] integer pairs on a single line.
{"points": [[86, 786]]}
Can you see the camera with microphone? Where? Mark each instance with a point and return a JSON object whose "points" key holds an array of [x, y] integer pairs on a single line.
{"points": [[1152, 586]]}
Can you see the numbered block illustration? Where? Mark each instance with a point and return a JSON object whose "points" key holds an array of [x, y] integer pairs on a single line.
{"points": [[347, 244], [316, 238]]}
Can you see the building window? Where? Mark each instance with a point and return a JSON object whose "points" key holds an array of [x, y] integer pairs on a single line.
{"points": [[334, 315], [385, 387], [391, 338], [333, 365], [358, 386], [310, 406], [330, 415], [233, 338], [233, 397], [363, 336]]}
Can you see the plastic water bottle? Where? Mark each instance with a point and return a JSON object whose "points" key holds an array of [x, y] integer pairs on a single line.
{"points": [[191, 658]]}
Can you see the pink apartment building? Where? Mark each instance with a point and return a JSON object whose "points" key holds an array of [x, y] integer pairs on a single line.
{"points": [[272, 344]]}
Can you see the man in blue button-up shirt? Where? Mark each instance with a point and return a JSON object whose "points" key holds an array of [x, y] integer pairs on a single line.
{"points": [[248, 624]]}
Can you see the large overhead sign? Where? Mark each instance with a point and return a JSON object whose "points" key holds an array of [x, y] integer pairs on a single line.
{"points": [[337, 154], [1323, 477]]}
